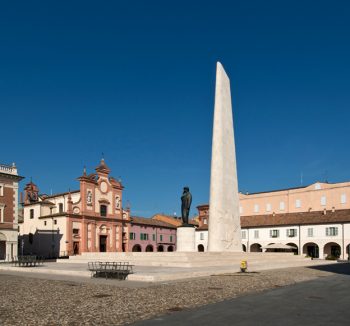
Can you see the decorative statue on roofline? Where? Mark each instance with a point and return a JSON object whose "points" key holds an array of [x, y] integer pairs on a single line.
{"points": [[186, 200]]}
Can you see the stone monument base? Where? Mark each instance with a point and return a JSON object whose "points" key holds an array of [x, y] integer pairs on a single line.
{"points": [[185, 241]]}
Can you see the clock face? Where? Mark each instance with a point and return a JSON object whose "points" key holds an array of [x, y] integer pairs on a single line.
{"points": [[103, 186], [76, 210]]}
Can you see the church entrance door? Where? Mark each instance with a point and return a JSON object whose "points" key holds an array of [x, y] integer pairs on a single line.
{"points": [[103, 243]]}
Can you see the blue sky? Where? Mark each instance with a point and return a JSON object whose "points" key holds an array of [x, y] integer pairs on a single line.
{"points": [[135, 80]]}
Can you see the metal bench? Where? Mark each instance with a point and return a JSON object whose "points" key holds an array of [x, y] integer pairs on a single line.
{"points": [[118, 270]]}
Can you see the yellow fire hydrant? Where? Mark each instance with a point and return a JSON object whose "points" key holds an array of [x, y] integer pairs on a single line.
{"points": [[244, 266]]}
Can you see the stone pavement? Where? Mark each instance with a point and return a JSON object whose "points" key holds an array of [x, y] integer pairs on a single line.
{"points": [[77, 267], [323, 301], [43, 301]]}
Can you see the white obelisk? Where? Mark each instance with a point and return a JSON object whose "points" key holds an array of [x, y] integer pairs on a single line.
{"points": [[224, 220]]}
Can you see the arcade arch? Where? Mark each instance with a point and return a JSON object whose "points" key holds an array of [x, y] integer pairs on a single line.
{"points": [[136, 248], [255, 247]]}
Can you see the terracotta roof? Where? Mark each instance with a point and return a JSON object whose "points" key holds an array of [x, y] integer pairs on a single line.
{"points": [[202, 228], [167, 219], [59, 194], [171, 220], [151, 222], [304, 218], [338, 216]]}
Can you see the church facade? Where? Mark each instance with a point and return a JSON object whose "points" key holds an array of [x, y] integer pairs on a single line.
{"points": [[90, 219]]}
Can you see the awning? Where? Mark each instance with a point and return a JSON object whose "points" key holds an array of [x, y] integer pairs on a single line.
{"points": [[278, 246]]}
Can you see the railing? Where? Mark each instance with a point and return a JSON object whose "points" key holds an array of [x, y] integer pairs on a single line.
{"points": [[8, 169]]}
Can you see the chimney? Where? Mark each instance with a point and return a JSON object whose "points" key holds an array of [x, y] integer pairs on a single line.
{"points": [[333, 209], [324, 212]]}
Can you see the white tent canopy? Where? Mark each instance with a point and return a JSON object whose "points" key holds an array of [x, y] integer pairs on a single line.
{"points": [[278, 246]]}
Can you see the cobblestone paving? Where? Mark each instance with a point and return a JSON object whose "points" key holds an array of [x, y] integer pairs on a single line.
{"points": [[30, 301]]}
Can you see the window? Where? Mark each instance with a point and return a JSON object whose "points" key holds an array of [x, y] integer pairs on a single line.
{"points": [[205, 221], [331, 231], [343, 199], [268, 207], [274, 233], [153, 237], [1, 189], [323, 201], [291, 233], [298, 203], [143, 236], [201, 236], [161, 238], [103, 210], [256, 234], [310, 232], [244, 234], [317, 186], [55, 221], [256, 208], [31, 213], [2, 206], [132, 236], [75, 231], [171, 238], [45, 223], [282, 206], [60, 208]]}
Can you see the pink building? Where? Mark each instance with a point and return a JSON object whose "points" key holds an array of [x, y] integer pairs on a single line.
{"points": [[315, 197], [90, 219], [151, 235]]}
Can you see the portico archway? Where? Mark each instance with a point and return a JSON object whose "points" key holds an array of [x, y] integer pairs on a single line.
{"points": [[149, 248], [295, 250], [136, 248], [200, 248], [255, 247], [311, 249], [332, 250]]}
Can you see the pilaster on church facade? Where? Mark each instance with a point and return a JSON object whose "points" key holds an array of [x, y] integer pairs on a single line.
{"points": [[91, 219]]}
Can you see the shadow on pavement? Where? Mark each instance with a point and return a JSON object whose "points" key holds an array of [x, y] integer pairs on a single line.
{"points": [[339, 268]]}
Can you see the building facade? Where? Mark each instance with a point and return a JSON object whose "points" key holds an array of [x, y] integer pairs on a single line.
{"points": [[315, 220], [151, 235], [9, 180], [315, 197], [91, 219]]}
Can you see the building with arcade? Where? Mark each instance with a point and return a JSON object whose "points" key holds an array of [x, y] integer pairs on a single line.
{"points": [[314, 220]]}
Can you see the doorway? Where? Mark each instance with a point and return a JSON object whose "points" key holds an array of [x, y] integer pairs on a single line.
{"points": [[76, 248], [2, 250], [103, 243]]}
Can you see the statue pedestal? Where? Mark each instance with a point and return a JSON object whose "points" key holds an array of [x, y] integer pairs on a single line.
{"points": [[185, 241]]}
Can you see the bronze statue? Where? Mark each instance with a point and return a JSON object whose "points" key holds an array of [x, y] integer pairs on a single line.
{"points": [[186, 200]]}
